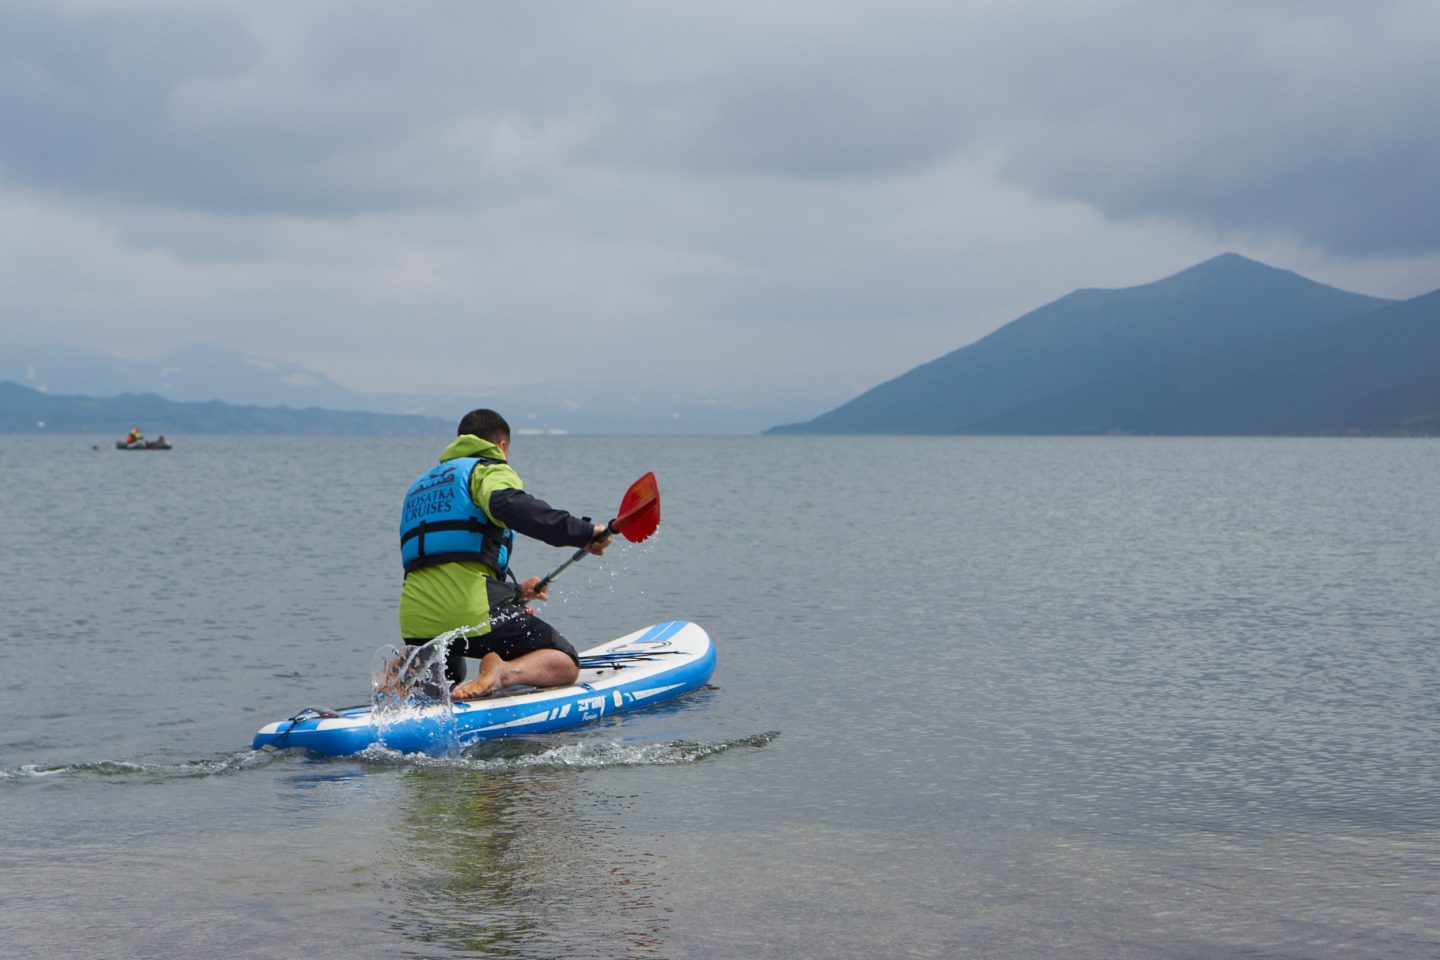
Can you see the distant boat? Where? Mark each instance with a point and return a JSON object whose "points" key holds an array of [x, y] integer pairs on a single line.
{"points": [[160, 444]]}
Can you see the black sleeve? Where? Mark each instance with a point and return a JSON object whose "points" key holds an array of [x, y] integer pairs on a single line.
{"points": [[535, 518]]}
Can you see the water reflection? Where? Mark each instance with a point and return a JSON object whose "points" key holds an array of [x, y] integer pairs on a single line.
{"points": [[517, 865]]}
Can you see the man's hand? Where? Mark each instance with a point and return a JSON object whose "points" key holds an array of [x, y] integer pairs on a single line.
{"points": [[597, 546], [531, 590]]}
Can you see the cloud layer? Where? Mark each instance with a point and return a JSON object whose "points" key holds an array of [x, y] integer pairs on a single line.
{"points": [[389, 192]]}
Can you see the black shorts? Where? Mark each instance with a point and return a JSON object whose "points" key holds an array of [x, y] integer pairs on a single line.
{"points": [[514, 632]]}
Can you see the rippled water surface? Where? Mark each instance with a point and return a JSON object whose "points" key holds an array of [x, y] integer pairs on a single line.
{"points": [[1001, 698]]}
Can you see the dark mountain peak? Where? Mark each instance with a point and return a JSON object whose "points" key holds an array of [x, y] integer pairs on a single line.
{"points": [[1231, 261], [1221, 285], [1094, 336], [1228, 272], [1228, 290], [1229, 266], [1240, 276]]}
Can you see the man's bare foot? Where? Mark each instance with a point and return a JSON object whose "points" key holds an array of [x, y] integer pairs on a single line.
{"points": [[486, 681]]}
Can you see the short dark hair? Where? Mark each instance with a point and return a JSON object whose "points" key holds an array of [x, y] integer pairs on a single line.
{"points": [[485, 424]]}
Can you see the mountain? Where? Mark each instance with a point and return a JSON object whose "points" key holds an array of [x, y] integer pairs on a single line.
{"points": [[25, 410], [1089, 340], [191, 373], [203, 373], [1378, 373]]}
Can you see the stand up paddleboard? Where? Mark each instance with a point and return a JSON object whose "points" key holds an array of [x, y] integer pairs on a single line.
{"points": [[646, 667]]}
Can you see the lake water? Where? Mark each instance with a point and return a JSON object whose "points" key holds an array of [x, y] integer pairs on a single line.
{"points": [[976, 697]]}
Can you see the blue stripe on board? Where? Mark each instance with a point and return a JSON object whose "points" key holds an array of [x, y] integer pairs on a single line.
{"points": [[661, 631]]}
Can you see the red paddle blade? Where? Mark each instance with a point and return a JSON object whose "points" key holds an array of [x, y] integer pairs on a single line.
{"points": [[639, 510]]}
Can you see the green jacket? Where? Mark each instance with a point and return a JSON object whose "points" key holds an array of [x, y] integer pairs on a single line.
{"points": [[446, 596]]}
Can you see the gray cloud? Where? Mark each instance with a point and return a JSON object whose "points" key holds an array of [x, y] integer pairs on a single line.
{"points": [[742, 190], [85, 97], [334, 110], [1302, 119], [1309, 120]]}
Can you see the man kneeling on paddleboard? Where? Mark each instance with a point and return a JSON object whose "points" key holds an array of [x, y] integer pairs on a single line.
{"points": [[457, 530]]}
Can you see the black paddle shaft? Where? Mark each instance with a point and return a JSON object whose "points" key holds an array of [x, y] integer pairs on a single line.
{"points": [[545, 581]]}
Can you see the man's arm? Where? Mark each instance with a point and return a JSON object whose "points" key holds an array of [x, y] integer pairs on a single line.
{"points": [[534, 517]]}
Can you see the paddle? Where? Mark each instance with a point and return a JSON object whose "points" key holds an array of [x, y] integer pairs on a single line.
{"points": [[636, 520]]}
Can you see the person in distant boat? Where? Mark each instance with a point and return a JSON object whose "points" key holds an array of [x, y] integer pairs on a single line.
{"points": [[135, 436], [457, 530]]}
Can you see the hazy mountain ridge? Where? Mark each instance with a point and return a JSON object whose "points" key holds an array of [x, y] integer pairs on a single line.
{"points": [[26, 410], [1229, 346], [194, 373], [203, 373]]}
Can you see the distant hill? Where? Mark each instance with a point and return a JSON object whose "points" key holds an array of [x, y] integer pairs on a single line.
{"points": [[1032, 375], [23, 410], [1378, 373], [194, 373], [618, 406]]}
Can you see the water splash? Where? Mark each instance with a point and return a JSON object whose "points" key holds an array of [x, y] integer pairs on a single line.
{"points": [[411, 706], [621, 566], [491, 756], [403, 681], [515, 754], [124, 770], [410, 703], [414, 677]]}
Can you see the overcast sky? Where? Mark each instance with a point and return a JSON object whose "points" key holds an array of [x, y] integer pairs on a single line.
{"points": [[410, 196]]}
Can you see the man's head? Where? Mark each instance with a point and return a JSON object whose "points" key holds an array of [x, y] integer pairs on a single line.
{"points": [[487, 425]]}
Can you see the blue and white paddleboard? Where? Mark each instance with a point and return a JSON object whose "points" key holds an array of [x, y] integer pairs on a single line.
{"points": [[642, 668]]}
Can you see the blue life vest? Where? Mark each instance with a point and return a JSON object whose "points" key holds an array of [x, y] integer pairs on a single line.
{"points": [[439, 523]]}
